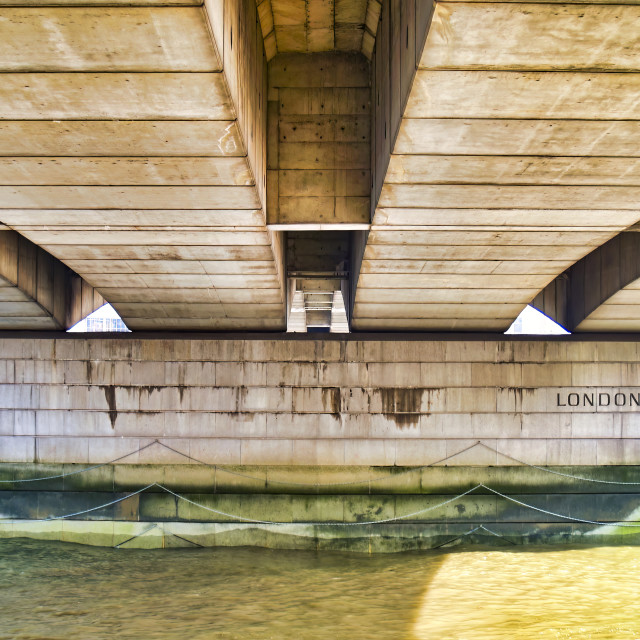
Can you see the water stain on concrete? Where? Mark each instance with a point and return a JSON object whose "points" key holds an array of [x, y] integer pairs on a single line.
{"points": [[332, 400], [110, 396], [402, 405], [150, 388]]}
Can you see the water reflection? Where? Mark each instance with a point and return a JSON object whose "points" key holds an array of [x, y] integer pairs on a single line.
{"points": [[59, 591]]}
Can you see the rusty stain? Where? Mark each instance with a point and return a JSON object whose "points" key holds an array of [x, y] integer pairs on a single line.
{"points": [[518, 393], [110, 395], [402, 405]]}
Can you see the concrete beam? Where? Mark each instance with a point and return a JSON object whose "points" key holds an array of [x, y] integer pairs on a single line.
{"points": [[598, 293], [400, 39], [511, 162], [37, 291], [137, 153], [310, 26]]}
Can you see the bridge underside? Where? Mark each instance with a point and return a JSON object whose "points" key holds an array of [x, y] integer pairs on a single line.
{"points": [[37, 291], [185, 162]]}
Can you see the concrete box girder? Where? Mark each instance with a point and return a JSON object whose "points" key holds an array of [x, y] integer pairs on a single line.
{"points": [[486, 166], [137, 141], [512, 149]]}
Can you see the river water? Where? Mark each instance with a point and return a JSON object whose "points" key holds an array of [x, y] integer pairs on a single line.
{"points": [[52, 590]]}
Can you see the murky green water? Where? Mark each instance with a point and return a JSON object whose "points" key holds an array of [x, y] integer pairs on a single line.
{"points": [[53, 590]]}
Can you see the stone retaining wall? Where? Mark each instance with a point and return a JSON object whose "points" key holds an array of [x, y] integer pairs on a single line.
{"points": [[317, 402], [327, 431]]}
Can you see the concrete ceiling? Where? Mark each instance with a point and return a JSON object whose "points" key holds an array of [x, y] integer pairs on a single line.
{"points": [[517, 155], [37, 291], [600, 292], [306, 26], [124, 154], [133, 148]]}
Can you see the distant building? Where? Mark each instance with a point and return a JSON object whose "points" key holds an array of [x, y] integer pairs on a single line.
{"points": [[103, 319]]}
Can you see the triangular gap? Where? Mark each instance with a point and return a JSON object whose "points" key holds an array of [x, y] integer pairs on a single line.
{"points": [[104, 319], [534, 322]]}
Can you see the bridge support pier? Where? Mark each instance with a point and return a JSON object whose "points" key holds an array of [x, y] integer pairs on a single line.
{"points": [[367, 444]]}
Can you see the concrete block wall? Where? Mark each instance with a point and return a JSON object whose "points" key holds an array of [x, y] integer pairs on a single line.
{"points": [[318, 140], [311, 402]]}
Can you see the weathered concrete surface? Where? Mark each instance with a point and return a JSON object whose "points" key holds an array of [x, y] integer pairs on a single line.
{"points": [[498, 179], [395, 510], [319, 140], [37, 291], [333, 432], [133, 147], [308, 402]]}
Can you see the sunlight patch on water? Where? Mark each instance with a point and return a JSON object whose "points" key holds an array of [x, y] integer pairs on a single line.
{"points": [[567, 594]]}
